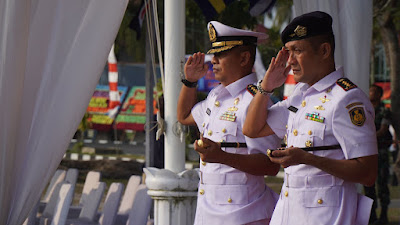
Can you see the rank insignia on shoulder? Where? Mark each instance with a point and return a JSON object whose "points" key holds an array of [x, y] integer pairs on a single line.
{"points": [[252, 89], [357, 116], [346, 84]]}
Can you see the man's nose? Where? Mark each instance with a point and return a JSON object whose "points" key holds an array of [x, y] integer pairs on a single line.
{"points": [[214, 60], [291, 59]]}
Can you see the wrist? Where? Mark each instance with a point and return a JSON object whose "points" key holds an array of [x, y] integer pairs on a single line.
{"points": [[262, 90], [189, 83]]}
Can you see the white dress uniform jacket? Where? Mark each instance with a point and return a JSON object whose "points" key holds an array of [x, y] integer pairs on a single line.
{"points": [[227, 195], [331, 112]]}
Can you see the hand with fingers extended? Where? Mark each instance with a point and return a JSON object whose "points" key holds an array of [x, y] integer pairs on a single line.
{"points": [[277, 71], [288, 157], [195, 68], [208, 150]]}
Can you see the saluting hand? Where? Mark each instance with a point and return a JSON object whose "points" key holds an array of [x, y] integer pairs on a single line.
{"points": [[289, 157], [277, 71], [195, 68], [208, 150]]}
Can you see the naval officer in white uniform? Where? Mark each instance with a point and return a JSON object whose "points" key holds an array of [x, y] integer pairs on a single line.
{"points": [[328, 114], [232, 189]]}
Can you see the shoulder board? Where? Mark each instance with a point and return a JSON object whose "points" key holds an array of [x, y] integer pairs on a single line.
{"points": [[252, 89], [346, 84]]}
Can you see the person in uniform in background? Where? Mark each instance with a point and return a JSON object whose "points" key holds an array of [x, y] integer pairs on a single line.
{"points": [[384, 138], [328, 124], [232, 189]]}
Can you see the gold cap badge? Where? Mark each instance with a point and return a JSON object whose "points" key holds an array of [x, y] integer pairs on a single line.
{"points": [[212, 33], [300, 31]]}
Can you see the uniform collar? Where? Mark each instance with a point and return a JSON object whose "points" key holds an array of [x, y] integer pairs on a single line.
{"points": [[328, 80], [236, 87]]}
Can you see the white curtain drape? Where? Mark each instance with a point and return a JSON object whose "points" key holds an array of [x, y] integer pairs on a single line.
{"points": [[352, 24], [52, 53]]}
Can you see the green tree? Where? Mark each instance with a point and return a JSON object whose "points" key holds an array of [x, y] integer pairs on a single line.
{"points": [[387, 19]]}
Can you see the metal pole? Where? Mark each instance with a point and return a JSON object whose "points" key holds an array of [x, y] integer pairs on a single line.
{"points": [[174, 51], [149, 98]]}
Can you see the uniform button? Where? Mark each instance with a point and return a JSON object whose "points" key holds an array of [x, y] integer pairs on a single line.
{"points": [[303, 103], [224, 130], [201, 192], [203, 124], [295, 132], [320, 201], [286, 126], [309, 132], [217, 103], [308, 143], [203, 163], [286, 193], [209, 133], [229, 200]]}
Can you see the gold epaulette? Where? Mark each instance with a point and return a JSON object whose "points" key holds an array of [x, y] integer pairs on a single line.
{"points": [[252, 89], [346, 84]]}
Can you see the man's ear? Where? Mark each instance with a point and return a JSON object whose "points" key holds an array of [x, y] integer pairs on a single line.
{"points": [[325, 50], [244, 58]]}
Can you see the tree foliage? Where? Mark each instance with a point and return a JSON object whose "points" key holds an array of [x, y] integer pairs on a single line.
{"points": [[386, 29]]}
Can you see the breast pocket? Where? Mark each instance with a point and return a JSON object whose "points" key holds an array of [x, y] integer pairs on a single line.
{"points": [[228, 131], [313, 133]]}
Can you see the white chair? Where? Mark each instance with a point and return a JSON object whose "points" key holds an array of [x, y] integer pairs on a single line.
{"points": [[141, 208], [57, 178], [127, 199], [90, 206], [91, 181], [56, 211], [111, 204], [72, 176]]}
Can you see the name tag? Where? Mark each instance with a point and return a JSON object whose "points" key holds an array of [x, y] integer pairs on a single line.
{"points": [[293, 109]]}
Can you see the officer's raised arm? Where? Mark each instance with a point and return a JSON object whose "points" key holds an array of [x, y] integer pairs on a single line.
{"points": [[195, 68], [256, 120]]}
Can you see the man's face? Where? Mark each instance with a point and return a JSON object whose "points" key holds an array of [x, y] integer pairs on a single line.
{"points": [[225, 65], [304, 61]]}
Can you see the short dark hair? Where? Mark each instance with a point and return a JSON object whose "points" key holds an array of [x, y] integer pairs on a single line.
{"points": [[378, 88], [316, 41], [251, 49]]}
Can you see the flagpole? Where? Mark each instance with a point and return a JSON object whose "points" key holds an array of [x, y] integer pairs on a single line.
{"points": [[174, 190]]}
